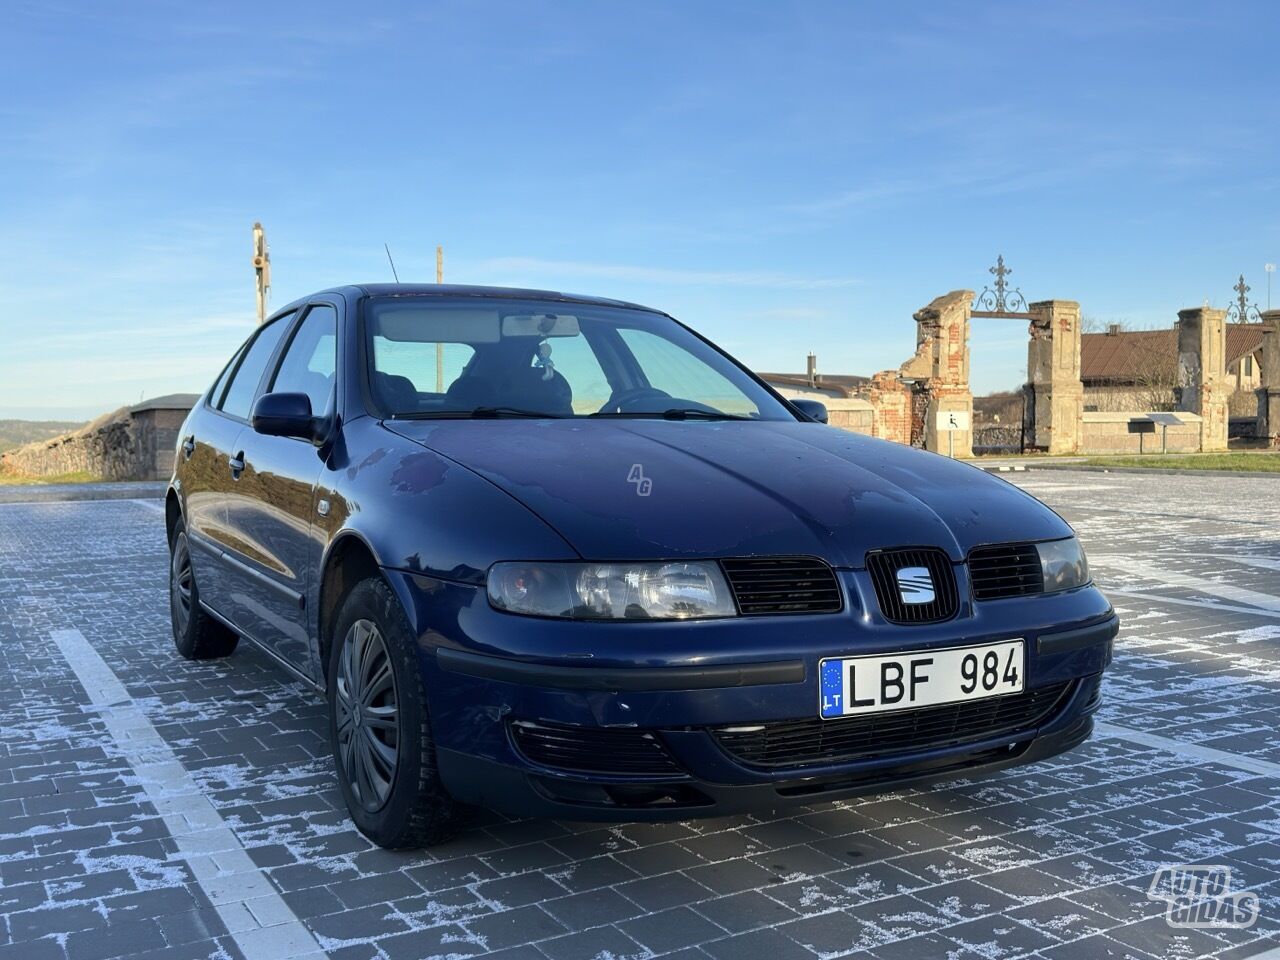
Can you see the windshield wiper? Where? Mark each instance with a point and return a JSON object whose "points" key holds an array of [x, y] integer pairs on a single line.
{"points": [[493, 413], [675, 413]]}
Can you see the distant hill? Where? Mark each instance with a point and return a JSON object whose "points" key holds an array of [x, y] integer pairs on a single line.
{"points": [[14, 433]]}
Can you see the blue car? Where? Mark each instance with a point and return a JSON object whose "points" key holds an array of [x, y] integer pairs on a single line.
{"points": [[561, 556]]}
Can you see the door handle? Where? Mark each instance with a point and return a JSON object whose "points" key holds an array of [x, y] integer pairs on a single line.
{"points": [[189, 446], [236, 464]]}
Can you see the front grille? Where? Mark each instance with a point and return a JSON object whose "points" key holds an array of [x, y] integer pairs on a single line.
{"points": [[593, 749], [1006, 570], [782, 585], [884, 566], [796, 743]]}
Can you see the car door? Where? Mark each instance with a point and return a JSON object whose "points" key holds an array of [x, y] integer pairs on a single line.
{"points": [[271, 512], [207, 456]]}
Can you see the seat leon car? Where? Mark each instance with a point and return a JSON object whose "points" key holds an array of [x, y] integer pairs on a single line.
{"points": [[562, 556]]}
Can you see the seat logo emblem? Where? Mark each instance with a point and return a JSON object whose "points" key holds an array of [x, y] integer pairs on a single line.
{"points": [[915, 585]]}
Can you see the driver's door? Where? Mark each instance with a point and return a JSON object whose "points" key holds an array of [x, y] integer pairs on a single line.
{"points": [[272, 516]]}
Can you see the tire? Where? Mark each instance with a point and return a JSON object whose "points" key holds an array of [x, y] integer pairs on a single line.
{"points": [[196, 634], [379, 729]]}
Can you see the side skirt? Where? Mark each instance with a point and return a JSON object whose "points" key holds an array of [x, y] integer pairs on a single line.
{"points": [[288, 667]]}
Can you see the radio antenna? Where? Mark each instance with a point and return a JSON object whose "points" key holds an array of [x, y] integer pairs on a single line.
{"points": [[392, 262]]}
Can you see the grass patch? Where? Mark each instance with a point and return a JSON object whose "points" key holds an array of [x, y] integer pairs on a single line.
{"points": [[10, 478], [1256, 462]]}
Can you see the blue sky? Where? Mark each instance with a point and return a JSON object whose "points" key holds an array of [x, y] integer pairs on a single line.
{"points": [[784, 176]]}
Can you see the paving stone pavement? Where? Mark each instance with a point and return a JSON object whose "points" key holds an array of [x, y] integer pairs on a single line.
{"points": [[1050, 861]]}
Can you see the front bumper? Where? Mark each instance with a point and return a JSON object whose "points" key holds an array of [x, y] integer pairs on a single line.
{"points": [[484, 670], [524, 793]]}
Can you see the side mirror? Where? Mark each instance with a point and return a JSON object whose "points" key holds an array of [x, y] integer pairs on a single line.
{"points": [[813, 409], [284, 415]]}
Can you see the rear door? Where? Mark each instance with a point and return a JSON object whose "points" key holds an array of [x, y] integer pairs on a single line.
{"points": [[210, 475], [271, 511]]}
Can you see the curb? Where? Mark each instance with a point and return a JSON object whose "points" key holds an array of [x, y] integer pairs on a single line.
{"points": [[63, 493], [1160, 471]]}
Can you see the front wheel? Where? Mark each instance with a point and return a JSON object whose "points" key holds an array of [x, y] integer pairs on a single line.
{"points": [[379, 728]]}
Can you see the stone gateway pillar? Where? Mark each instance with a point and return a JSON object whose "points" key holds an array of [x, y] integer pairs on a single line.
{"points": [[1202, 373], [1054, 406], [1269, 391], [941, 365]]}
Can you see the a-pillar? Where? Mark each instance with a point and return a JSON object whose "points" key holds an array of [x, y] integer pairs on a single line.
{"points": [[942, 336], [1202, 373], [1054, 408], [1269, 391]]}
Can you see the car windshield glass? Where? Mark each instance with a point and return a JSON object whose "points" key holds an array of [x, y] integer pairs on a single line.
{"points": [[489, 358]]}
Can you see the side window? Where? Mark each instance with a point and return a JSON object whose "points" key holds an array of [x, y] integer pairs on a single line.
{"points": [[577, 363], [244, 382], [215, 392], [310, 359]]}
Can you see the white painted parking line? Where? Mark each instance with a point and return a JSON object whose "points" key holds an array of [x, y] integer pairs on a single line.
{"points": [[1182, 601], [1251, 764], [153, 504], [1227, 591], [261, 923]]}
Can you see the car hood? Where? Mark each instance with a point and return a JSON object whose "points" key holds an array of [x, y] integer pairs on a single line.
{"points": [[650, 489]]}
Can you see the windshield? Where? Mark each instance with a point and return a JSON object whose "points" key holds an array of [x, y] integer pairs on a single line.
{"points": [[470, 357]]}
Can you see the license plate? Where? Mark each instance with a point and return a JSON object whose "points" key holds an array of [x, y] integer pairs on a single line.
{"points": [[899, 681]]}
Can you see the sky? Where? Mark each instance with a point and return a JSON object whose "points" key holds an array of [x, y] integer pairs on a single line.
{"points": [[785, 177]]}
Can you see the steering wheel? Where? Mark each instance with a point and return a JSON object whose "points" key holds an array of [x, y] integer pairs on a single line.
{"points": [[619, 401]]}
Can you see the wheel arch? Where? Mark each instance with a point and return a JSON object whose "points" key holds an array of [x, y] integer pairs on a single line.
{"points": [[172, 513], [349, 561]]}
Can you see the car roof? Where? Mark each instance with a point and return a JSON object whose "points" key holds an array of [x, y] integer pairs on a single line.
{"points": [[466, 290]]}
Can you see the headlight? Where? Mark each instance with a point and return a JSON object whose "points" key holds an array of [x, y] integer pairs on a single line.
{"points": [[612, 591], [1063, 564]]}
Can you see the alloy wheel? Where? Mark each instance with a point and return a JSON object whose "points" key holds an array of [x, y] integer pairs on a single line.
{"points": [[181, 581], [367, 716]]}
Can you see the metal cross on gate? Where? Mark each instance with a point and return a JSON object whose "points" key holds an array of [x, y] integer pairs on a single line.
{"points": [[1242, 311], [1000, 301]]}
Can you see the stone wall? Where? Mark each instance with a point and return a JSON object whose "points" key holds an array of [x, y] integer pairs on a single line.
{"points": [[853, 414], [107, 449], [132, 443], [1108, 432]]}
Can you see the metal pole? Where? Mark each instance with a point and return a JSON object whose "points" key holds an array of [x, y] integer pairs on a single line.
{"points": [[261, 269], [439, 346], [1270, 268]]}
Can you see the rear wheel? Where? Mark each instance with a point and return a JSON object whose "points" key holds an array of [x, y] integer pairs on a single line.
{"points": [[379, 728], [196, 634]]}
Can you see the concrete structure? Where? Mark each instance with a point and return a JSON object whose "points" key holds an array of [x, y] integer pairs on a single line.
{"points": [[939, 372], [1203, 387], [1269, 388], [1054, 394], [1194, 368], [132, 443], [1108, 432]]}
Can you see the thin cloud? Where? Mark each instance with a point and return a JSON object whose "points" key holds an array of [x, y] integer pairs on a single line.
{"points": [[658, 275]]}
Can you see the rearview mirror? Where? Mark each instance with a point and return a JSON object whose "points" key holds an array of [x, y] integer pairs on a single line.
{"points": [[284, 415], [813, 409]]}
